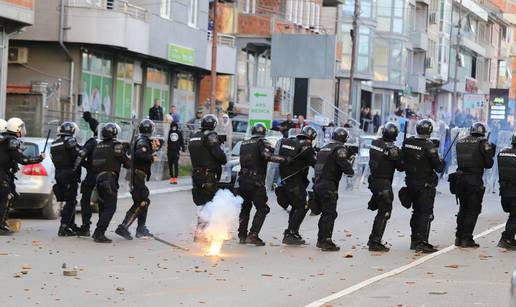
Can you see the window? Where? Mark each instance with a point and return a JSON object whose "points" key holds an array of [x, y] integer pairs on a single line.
{"points": [[381, 60], [96, 87], [165, 8], [193, 8], [250, 6], [366, 8], [389, 58]]}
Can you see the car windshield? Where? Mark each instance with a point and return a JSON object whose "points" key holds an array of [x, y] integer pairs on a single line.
{"points": [[240, 126], [236, 149], [30, 149]]}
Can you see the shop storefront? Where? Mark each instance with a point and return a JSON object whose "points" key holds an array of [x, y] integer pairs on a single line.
{"points": [[184, 95], [96, 84]]}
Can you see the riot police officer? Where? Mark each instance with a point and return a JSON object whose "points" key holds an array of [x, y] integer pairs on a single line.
{"points": [[332, 160], [301, 154], [384, 160], [88, 183], [143, 155], [474, 154], [421, 162], [207, 159], [11, 154], [255, 153], [64, 151], [107, 158], [507, 171]]}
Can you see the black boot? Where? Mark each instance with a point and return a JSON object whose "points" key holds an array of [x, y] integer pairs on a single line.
{"points": [[290, 238], [143, 232], [242, 238], [122, 231], [83, 231], [425, 248], [253, 238], [5, 231], [376, 246], [99, 237], [65, 231], [327, 245], [507, 244], [468, 243]]}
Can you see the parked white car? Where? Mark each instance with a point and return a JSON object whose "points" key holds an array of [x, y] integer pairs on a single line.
{"points": [[34, 182]]}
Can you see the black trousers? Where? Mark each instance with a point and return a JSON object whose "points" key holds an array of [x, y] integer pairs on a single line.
{"points": [[87, 187], [107, 188], [141, 200], [470, 199], [252, 190], [326, 195], [423, 198], [381, 200], [7, 188], [295, 192], [66, 184], [173, 165], [204, 187], [509, 206]]}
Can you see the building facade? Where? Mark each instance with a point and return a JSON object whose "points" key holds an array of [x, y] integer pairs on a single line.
{"points": [[116, 58]]}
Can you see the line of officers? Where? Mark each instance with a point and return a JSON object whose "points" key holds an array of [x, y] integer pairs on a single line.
{"points": [[418, 157], [102, 156]]}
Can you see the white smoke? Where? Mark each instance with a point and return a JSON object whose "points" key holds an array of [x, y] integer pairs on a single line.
{"points": [[220, 214]]}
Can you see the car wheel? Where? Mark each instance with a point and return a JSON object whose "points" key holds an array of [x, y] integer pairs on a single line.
{"points": [[52, 210]]}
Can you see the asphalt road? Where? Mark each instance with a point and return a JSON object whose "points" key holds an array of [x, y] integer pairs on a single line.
{"points": [[148, 273]]}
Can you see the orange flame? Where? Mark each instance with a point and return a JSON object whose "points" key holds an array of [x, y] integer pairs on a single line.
{"points": [[215, 248]]}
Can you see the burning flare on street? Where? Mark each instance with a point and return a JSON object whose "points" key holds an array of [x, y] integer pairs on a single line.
{"points": [[221, 216]]}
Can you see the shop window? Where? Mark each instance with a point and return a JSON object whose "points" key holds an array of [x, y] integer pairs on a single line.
{"points": [[184, 95], [157, 88], [96, 84], [124, 90]]}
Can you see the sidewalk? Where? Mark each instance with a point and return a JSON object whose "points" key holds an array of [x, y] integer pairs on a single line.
{"points": [[159, 187]]}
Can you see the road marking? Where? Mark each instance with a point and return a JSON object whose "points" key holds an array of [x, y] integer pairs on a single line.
{"points": [[394, 272], [159, 191]]}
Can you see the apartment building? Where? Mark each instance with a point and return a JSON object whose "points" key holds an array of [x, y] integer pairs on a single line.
{"points": [[14, 16], [116, 58]]}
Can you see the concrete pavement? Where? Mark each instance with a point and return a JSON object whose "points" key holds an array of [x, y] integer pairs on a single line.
{"points": [[148, 273]]}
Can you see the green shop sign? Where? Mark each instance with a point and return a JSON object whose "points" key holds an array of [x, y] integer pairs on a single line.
{"points": [[180, 54]]}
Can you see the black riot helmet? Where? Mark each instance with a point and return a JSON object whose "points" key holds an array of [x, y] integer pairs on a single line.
{"points": [[209, 122], [309, 133], [340, 135], [258, 129], [478, 129], [109, 131], [146, 127], [68, 129], [390, 132], [424, 128]]}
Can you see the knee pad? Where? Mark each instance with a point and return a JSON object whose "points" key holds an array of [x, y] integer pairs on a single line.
{"points": [[430, 217], [387, 215]]}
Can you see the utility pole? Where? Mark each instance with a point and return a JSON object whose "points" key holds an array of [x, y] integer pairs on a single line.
{"points": [[214, 37], [354, 31], [457, 59]]}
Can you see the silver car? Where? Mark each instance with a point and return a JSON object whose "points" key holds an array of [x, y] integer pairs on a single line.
{"points": [[513, 289], [34, 182]]}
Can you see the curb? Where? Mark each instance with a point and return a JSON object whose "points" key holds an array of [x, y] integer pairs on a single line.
{"points": [[159, 191]]}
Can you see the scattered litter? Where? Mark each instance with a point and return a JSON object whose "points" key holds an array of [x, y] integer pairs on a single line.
{"points": [[452, 266], [267, 275], [437, 293]]}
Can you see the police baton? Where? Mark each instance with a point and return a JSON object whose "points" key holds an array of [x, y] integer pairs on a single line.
{"points": [[46, 141], [169, 243], [451, 146]]}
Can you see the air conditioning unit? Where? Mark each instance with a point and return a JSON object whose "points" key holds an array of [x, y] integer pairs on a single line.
{"points": [[429, 63], [432, 18], [18, 55]]}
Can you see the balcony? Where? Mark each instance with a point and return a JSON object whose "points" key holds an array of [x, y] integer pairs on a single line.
{"points": [[417, 83], [419, 40], [427, 2], [226, 53], [108, 22], [18, 11]]}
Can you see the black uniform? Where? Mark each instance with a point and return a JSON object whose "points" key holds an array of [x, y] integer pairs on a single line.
{"points": [[11, 155], [254, 155], [107, 158], [474, 154], [207, 158], [332, 161], [421, 162], [143, 159], [88, 184], [384, 160], [175, 144], [302, 155], [65, 150], [507, 173]]}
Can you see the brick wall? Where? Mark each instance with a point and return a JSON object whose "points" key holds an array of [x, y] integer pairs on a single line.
{"points": [[222, 93], [29, 4]]}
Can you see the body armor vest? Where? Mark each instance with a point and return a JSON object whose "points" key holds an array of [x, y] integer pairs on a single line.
{"points": [[507, 165], [105, 158], [326, 166], [61, 154], [381, 166], [469, 157]]}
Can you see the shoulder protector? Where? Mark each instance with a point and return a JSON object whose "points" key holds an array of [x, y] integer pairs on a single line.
{"points": [[212, 139], [342, 153], [71, 143], [14, 144], [118, 149]]}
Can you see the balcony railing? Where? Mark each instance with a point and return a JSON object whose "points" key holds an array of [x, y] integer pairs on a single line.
{"points": [[223, 39], [114, 5]]}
